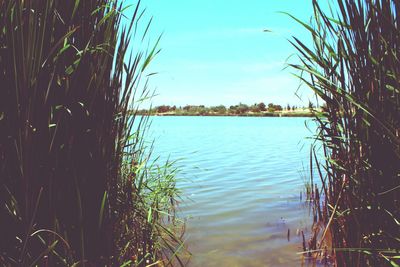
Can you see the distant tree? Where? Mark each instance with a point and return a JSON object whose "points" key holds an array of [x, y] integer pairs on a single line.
{"points": [[243, 108], [234, 109], [163, 109], [288, 107], [221, 109], [278, 107], [271, 107], [262, 106], [310, 105], [202, 110], [173, 108], [255, 108]]}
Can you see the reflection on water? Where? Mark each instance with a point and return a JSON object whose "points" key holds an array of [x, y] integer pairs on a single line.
{"points": [[241, 182]]}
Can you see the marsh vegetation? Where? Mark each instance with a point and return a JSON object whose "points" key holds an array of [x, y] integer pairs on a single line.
{"points": [[77, 187], [353, 67]]}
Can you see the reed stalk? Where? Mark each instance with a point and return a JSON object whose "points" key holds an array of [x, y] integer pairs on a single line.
{"points": [[353, 65], [72, 158]]}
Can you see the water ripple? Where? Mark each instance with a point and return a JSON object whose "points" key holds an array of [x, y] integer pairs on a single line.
{"points": [[244, 186]]}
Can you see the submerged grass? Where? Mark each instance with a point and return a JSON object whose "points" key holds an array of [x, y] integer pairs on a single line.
{"points": [[76, 184], [354, 67]]}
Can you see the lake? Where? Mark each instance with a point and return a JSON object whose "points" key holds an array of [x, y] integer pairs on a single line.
{"points": [[241, 179]]}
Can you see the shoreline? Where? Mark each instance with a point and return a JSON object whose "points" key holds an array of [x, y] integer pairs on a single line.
{"points": [[267, 114]]}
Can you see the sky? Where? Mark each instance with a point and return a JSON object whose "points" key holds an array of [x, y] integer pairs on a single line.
{"points": [[216, 51]]}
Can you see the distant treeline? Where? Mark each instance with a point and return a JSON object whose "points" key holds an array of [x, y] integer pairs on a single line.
{"points": [[240, 109]]}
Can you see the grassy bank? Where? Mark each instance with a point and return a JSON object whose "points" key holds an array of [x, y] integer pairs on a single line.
{"points": [[354, 67], [76, 184]]}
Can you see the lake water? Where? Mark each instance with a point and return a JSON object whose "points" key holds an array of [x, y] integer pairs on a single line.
{"points": [[241, 179]]}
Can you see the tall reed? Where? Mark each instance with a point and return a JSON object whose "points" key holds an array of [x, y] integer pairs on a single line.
{"points": [[68, 171], [354, 67]]}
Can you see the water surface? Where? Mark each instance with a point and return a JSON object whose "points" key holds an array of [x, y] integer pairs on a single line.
{"points": [[241, 179]]}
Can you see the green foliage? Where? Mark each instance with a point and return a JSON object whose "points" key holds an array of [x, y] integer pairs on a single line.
{"points": [[255, 108], [272, 107], [221, 109], [241, 108], [262, 106], [258, 110], [163, 109], [354, 67], [67, 82]]}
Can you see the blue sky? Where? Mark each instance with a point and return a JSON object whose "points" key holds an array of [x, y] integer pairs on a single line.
{"points": [[215, 51]]}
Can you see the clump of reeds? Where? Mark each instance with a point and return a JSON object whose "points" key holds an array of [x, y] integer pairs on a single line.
{"points": [[74, 176], [354, 67]]}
